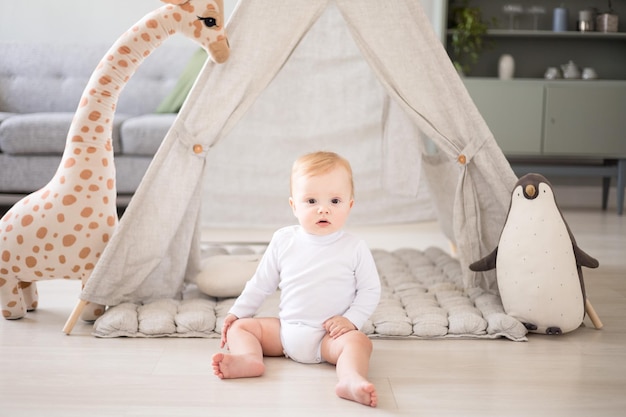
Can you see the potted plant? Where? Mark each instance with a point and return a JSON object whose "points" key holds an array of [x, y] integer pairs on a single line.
{"points": [[468, 30]]}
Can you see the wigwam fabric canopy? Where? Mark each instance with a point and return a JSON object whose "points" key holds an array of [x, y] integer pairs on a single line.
{"points": [[157, 244]]}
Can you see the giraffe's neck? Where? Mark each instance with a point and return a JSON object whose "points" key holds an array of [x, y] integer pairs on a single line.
{"points": [[93, 122]]}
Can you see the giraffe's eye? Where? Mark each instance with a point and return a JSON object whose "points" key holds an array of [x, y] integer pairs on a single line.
{"points": [[209, 22]]}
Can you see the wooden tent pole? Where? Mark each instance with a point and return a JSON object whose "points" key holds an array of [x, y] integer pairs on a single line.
{"points": [[591, 312], [71, 321]]}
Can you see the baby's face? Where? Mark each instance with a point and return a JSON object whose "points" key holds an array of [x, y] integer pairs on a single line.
{"points": [[322, 203]]}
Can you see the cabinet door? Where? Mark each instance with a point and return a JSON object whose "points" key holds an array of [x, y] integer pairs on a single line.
{"points": [[587, 119], [513, 111]]}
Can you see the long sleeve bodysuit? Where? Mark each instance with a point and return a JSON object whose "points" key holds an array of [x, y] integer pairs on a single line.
{"points": [[319, 277]]}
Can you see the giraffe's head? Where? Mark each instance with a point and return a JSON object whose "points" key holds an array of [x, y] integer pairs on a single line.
{"points": [[202, 21]]}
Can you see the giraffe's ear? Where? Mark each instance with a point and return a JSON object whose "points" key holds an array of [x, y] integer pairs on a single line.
{"points": [[178, 2]]}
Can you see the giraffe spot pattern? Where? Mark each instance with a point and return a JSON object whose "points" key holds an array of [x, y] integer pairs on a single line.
{"points": [[105, 80], [35, 238], [95, 115], [31, 261], [86, 212], [69, 199], [84, 253], [69, 240], [27, 220], [86, 174]]}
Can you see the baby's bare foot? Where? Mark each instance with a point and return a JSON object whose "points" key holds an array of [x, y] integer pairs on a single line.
{"points": [[226, 366], [361, 391]]}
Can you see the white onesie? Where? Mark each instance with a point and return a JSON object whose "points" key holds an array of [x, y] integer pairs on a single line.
{"points": [[319, 277]]}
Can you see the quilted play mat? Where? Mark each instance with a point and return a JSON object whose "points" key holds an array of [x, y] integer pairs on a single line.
{"points": [[422, 298]]}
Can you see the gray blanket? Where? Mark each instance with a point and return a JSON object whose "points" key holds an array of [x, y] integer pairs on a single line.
{"points": [[422, 298]]}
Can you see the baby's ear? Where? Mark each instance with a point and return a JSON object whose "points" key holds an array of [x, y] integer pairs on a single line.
{"points": [[351, 203], [292, 204]]}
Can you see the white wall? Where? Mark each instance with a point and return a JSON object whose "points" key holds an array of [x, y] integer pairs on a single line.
{"points": [[102, 21], [437, 12], [74, 21]]}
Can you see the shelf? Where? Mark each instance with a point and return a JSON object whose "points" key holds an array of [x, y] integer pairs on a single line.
{"points": [[506, 33]]}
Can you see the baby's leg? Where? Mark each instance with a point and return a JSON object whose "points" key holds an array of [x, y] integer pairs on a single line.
{"points": [[351, 354], [248, 341]]}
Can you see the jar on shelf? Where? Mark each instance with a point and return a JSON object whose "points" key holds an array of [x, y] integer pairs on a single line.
{"points": [[607, 22]]}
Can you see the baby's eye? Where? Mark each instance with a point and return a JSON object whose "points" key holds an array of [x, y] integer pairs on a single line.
{"points": [[311, 201], [335, 201]]}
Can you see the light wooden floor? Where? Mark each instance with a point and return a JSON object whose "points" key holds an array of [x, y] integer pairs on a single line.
{"points": [[46, 373]]}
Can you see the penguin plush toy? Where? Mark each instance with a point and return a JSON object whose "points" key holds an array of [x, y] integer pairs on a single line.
{"points": [[538, 264]]}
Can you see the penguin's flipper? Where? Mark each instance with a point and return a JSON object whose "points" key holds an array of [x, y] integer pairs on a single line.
{"points": [[583, 259], [485, 264]]}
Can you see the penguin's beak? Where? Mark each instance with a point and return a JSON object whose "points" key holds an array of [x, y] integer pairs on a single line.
{"points": [[530, 191]]}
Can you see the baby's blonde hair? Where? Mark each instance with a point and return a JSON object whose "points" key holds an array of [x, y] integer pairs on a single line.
{"points": [[317, 163]]}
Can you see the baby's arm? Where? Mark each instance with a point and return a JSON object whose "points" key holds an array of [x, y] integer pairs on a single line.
{"points": [[367, 291]]}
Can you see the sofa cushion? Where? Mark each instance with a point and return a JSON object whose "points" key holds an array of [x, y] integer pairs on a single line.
{"points": [[142, 135], [38, 77], [5, 115], [42, 133], [26, 174]]}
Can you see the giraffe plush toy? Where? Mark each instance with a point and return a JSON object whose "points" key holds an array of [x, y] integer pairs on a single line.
{"points": [[60, 231]]}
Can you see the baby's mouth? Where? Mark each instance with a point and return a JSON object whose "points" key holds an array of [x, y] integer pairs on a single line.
{"points": [[323, 221]]}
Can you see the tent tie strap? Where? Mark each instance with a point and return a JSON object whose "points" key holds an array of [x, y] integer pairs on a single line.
{"points": [[472, 148]]}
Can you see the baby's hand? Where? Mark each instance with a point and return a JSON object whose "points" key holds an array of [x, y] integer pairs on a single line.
{"points": [[228, 321], [337, 326]]}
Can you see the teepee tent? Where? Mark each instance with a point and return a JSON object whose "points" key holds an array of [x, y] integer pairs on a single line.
{"points": [[425, 107]]}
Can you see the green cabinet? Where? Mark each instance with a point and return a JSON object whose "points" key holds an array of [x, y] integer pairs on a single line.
{"points": [[585, 119], [554, 118], [513, 111]]}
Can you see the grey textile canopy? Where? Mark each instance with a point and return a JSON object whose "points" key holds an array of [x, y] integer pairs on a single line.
{"points": [[157, 244]]}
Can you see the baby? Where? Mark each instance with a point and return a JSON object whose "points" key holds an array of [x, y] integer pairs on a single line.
{"points": [[329, 287]]}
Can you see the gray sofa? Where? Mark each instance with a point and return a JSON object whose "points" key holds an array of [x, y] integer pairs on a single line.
{"points": [[40, 86]]}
